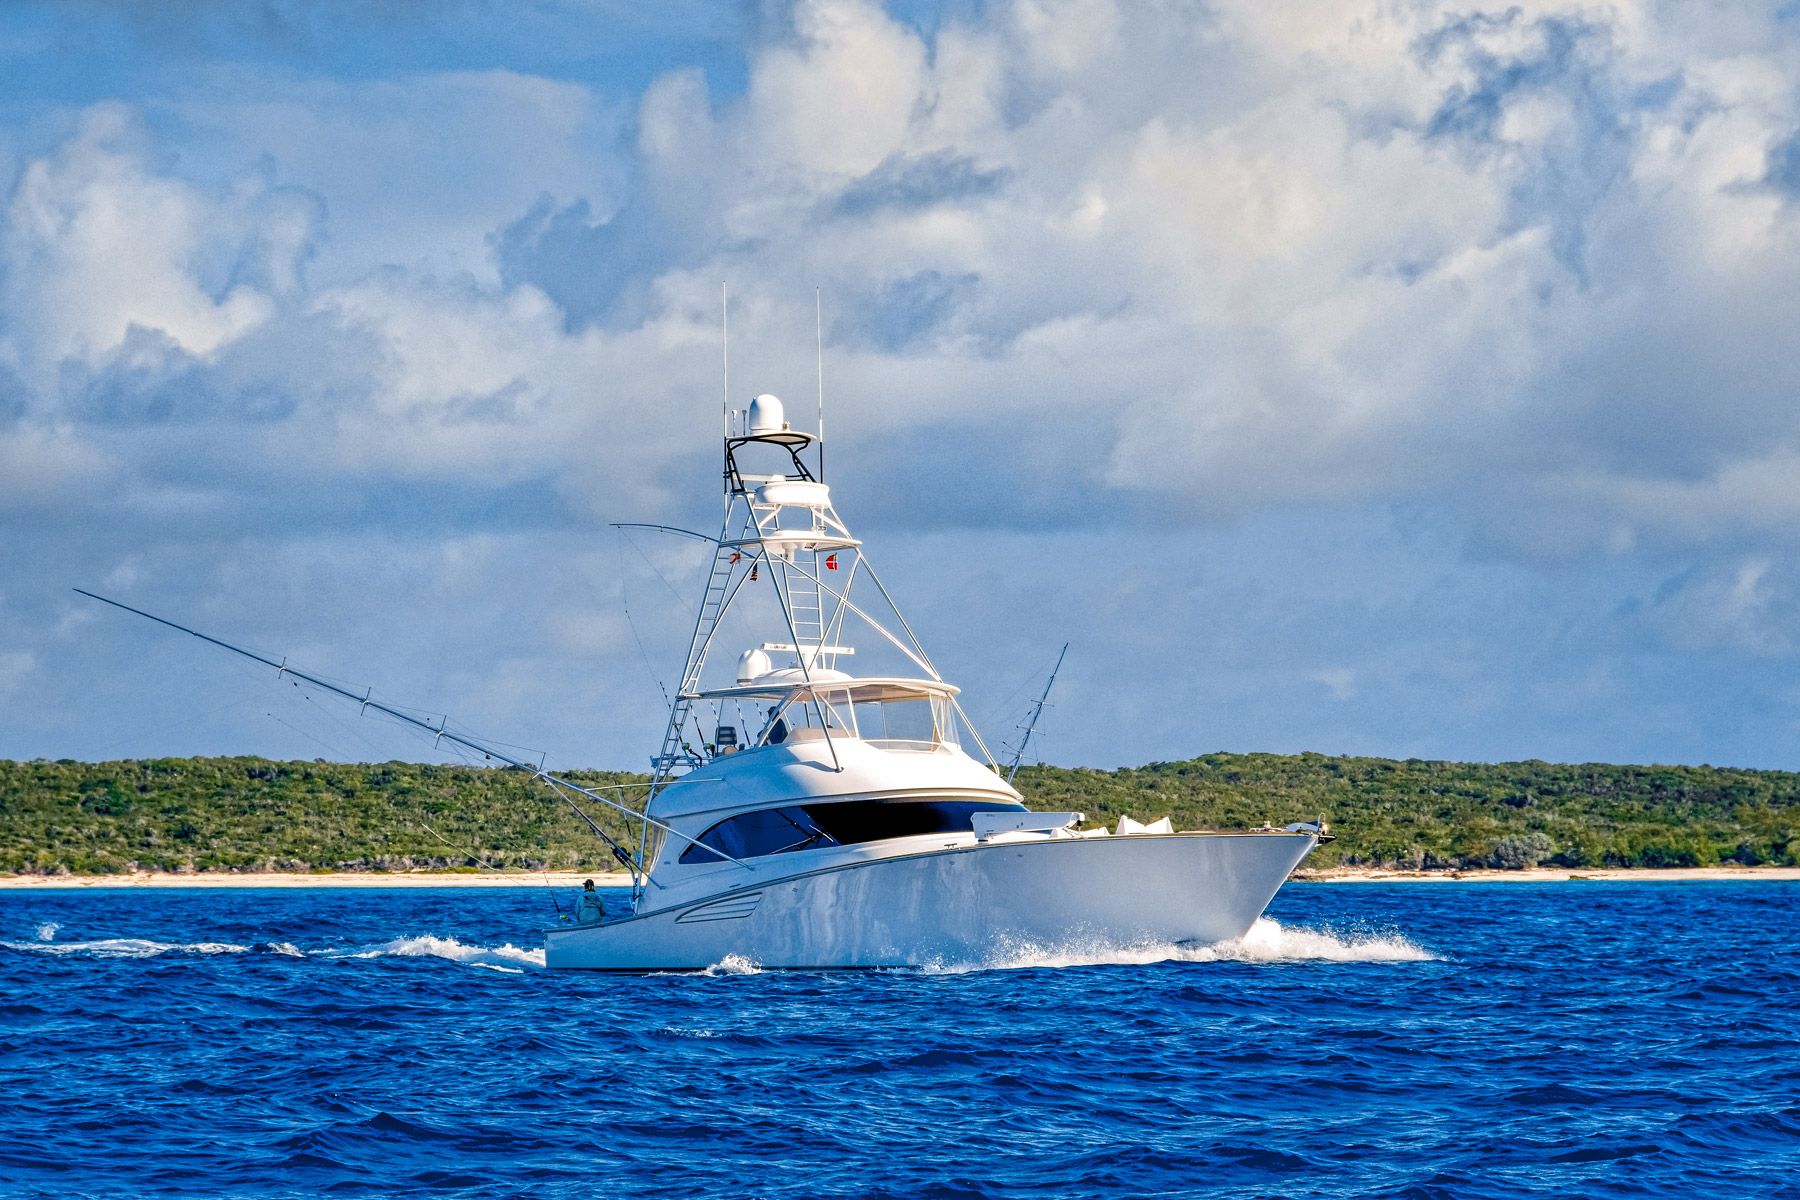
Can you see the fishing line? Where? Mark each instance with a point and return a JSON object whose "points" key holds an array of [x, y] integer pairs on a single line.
{"points": [[479, 861], [679, 599], [994, 711], [630, 623], [339, 721], [462, 850], [329, 749], [162, 730]]}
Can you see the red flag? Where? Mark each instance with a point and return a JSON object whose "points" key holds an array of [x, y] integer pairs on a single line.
{"points": [[735, 556], [752, 572], [831, 562]]}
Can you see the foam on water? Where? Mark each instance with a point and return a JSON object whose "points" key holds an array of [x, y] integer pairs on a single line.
{"points": [[1270, 941], [1267, 942], [1583, 1040], [733, 964], [124, 948], [505, 957]]}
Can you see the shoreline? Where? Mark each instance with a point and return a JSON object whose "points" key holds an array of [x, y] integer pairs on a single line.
{"points": [[615, 879], [1549, 875], [324, 879]]}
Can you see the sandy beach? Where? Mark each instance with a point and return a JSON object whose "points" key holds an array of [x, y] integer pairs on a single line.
{"points": [[323, 879], [1549, 875], [568, 879]]}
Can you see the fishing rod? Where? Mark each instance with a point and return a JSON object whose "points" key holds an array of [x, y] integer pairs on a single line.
{"points": [[441, 733], [1037, 710]]}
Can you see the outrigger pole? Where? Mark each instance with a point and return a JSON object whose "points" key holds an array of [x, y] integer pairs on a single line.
{"points": [[1037, 710], [441, 733]]}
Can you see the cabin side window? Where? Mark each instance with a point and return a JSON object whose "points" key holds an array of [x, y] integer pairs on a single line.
{"points": [[755, 834], [844, 823]]}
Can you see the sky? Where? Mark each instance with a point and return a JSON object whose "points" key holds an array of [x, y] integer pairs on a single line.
{"points": [[1393, 378]]}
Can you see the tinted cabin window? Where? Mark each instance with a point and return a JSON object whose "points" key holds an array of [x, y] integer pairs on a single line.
{"points": [[845, 823], [750, 835]]}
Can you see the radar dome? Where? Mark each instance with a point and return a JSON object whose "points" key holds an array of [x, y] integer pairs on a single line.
{"points": [[766, 415], [752, 664]]}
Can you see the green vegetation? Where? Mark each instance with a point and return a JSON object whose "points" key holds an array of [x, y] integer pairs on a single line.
{"points": [[1436, 815], [249, 814]]}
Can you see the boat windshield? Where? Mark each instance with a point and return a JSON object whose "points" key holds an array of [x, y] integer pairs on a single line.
{"points": [[900, 723], [913, 723], [842, 823]]}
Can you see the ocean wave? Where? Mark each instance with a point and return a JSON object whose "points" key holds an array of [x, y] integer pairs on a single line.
{"points": [[1268, 941], [504, 957], [1312, 1057]]}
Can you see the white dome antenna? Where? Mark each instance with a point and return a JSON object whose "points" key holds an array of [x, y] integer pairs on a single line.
{"points": [[766, 415], [753, 664]]}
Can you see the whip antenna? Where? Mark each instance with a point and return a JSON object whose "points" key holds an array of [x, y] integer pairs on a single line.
{"points": [[819, 342], [725, 370]]}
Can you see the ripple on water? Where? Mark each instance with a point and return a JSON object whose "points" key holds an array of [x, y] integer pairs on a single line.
{"points": [[1473, 1041]]}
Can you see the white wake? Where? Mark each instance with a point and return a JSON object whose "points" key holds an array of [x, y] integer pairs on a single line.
{"points": [[505, 957], [1267, 942], [733, 964], [124, 948]]}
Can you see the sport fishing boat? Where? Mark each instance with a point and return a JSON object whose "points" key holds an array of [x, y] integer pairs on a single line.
{"points": [[840, 820], [834, 819]]}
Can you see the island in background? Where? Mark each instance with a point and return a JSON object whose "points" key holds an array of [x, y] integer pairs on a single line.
{"points": [[203, 818]]}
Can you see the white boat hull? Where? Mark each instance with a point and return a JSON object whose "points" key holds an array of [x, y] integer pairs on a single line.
{"points": [[963, 906]]}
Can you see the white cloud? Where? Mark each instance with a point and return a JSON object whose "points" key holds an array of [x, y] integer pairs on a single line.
{"points": [[1355, 254], [96, 244], [417, 172], [1521, 272], [16, 667], [1740, 607], [1339, 681]]}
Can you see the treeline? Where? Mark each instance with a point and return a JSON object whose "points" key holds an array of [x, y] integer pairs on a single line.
{"points": [[1426, 815], [252, 814]]}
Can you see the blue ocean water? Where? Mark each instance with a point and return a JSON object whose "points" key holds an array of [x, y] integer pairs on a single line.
{"points": [[1467, 1040]]}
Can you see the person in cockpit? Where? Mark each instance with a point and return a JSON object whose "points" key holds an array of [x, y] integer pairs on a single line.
{"points": [[590, 911]]}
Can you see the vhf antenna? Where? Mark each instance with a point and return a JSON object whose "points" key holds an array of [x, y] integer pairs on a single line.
{"points": [[725, 359], [725, 380], [819, 342]]}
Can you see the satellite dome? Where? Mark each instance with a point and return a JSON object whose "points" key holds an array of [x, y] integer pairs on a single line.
{"points": [[752, 663], [766, 415]]}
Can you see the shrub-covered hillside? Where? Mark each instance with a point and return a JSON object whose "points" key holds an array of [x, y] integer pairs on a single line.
{"points": [[222, 814], [1442, 814]]}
